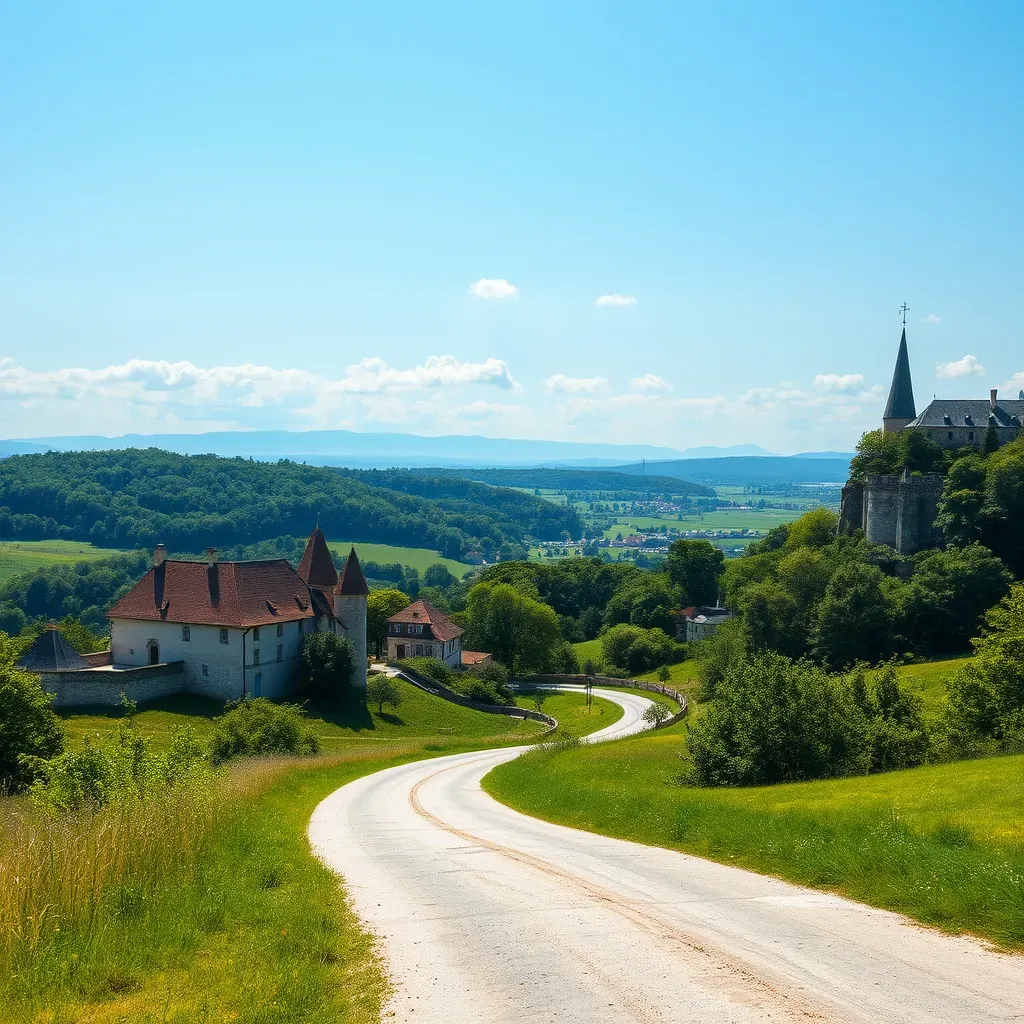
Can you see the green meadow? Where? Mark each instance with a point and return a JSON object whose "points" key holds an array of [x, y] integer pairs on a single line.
{"points": [[21, 556], [415, 558], [943, 844]]}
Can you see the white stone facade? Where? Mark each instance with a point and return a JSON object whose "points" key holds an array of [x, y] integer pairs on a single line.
{"points": [[226, 663]]}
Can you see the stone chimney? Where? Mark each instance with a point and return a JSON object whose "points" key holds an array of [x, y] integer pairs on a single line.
{"points": [[211, 556], [159, 555], [992, 398]]}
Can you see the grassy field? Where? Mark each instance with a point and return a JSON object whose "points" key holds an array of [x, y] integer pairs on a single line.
{"points": [[21, 556], [572, 713], [207, 906], [730, 519], [943, 844], [415, 558], [930, 679], [419, 714]]}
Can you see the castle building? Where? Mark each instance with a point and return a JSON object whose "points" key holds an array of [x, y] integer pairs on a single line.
{"points": [[226, 630], [900, 510]]}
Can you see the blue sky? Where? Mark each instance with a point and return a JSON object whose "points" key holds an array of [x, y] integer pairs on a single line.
{"points": [[279, 216]]}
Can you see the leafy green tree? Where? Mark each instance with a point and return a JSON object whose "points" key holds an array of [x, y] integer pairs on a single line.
{"points": [[381, 689], [520, 632], [856, 617], [28, 724], [665, 674], [326, 666], [437, 575], [986, 695], [771, 620], [695, 567], [949, 593], [637, 649], [657, 712], [380, 606], [814, 529]]}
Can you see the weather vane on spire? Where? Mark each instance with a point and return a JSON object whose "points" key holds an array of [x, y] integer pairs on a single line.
{"points": [[903, 309]]}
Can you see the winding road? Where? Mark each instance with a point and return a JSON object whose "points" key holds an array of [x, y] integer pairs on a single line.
{"points": [[487, 915]]}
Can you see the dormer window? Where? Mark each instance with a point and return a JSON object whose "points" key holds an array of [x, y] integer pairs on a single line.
{"points": [[947, 421], [968, 421]]}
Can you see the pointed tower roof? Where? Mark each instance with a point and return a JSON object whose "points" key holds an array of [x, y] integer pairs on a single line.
{"points": [[52, 653], [352, 582], [901, 395], [317, 567]]}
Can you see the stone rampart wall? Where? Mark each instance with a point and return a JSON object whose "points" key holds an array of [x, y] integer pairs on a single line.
{"points": [[98, 687]]}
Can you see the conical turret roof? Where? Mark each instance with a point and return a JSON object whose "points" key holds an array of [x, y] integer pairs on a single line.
{"points": [[52, 653], [317, 567], [352, 582], [901, 395]]}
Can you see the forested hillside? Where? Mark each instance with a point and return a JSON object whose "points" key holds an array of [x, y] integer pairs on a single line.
{"points": [[137, 498], [577, 480]]}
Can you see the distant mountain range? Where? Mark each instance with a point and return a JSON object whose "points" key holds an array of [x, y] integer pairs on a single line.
{"points": [[384, 450], [818, 468]]}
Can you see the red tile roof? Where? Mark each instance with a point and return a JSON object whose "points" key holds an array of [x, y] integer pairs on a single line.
{"points": [[238, 594], [317, 566], [424, 613], [352, 581], [470, 658]]}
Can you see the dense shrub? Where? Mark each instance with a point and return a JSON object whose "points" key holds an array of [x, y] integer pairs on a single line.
{"points": [[29, 727], [776, 720], [258, 726], [326, 666], [125, 767], [639, 650], [986, 695]]}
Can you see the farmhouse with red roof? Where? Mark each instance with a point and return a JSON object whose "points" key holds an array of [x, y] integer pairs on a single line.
{"points": [[421, 631]]}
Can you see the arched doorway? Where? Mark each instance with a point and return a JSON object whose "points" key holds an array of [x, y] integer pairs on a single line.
{"points": [[154, 652]]}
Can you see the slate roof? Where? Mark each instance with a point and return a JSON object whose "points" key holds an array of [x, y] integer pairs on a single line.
{"points": [[239, 594], [352, 582], [52, 653], [901, 394], [317, 567], [957, 412], [425, 614]]}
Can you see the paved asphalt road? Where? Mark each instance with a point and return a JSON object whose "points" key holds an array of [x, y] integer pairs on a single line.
{"points": [[487, 915]]}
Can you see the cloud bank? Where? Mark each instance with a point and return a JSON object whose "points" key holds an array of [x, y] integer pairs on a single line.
{"points": [[615, 300]]}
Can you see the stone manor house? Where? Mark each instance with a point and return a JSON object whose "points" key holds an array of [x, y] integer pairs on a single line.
{"points": [[900, 510], [221, 629]]}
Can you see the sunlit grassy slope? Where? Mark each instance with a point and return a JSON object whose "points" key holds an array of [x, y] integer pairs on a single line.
{"points": [[943, 844], [21, 556], [415, 558], [419, 715]]}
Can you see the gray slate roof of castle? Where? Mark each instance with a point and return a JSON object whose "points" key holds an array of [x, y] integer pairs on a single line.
{"points": [[901, 395], [956, 412], [52, 653]]}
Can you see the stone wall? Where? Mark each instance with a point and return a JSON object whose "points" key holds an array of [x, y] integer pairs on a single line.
{"points": [[898, 511], [851, 511], [881, 509], [919, 505], [104, 686]]}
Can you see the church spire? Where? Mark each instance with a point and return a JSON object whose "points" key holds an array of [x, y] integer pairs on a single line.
{"points": [[900, 408]]}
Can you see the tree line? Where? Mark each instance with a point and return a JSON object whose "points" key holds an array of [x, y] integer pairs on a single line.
{"points": [[138, 498]]}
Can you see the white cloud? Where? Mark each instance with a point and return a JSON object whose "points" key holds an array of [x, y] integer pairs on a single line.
{"points": [[931, 318], [968, 366], [615, 300], [1014, 385], [493, 288], [649, 382], [843, 384], [574, 385]]}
